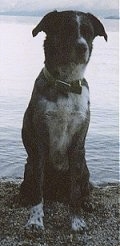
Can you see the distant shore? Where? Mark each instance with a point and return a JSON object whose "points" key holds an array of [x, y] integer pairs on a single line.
{"points": [[38, 13], [102, 222]]}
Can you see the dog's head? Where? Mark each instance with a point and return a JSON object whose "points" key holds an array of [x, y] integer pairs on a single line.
{"points": [[69, 36]]}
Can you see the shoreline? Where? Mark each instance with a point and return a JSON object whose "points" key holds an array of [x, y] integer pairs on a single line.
{"points": [[102, 222], [17, 180]]}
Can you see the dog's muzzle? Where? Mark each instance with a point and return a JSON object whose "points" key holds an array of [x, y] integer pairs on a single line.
{"points": [[81, 51], [81, 48]]}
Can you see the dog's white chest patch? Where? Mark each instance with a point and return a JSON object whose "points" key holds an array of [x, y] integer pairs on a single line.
{"points": [[64, 118]]}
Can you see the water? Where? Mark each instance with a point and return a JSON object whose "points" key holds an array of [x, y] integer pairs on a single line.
{"points": [[21, 59]]}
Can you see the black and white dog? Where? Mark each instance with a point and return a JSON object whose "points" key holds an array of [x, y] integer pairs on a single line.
{"points": [[57, 118]]}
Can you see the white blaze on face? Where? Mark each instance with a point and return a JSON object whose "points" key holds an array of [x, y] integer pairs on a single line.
{"points": [[81, 40], [78, 23]]}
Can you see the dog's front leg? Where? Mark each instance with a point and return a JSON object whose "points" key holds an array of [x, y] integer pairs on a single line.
{"points": [[36, 217], [79, 187], [37, 213], [79, 182]]}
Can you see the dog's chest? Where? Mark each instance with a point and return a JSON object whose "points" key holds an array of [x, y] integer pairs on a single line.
{"points": [[64, 118]]}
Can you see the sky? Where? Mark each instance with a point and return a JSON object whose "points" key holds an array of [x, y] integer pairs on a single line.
{"points": [[31, 5]]}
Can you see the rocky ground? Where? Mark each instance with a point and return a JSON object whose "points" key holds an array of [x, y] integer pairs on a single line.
{"points": [[102, 222]]}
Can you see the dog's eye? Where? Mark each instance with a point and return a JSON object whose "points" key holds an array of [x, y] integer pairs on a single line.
{"points": [[86, 31], [68, 32]]}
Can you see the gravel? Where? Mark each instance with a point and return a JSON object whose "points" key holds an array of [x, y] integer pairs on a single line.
{"points": [[102, 222]]}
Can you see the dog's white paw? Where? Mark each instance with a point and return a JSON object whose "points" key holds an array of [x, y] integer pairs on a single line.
{"points": [[78, 224], [36, 218]]}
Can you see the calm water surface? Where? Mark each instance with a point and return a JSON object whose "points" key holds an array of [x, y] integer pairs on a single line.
{"points": [[21, 59]]}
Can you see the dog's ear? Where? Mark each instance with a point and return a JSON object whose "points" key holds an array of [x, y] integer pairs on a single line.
{"points": [[46, 23], [98, 26]]}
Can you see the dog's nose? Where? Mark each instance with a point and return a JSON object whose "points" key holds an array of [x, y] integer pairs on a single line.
{"points": [[81, 48]]}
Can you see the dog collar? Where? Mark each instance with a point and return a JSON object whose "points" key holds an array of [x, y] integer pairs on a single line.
{"points": [[73, 86]]}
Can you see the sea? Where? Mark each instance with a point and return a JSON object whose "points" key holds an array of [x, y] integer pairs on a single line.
{"points": [[21, 59]]}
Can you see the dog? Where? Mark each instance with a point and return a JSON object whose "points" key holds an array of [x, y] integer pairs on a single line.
{"points": [[56, 121]]}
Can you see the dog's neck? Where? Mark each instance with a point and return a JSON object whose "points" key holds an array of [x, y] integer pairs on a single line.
{"points": [[68, 73], [64, 87]]}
